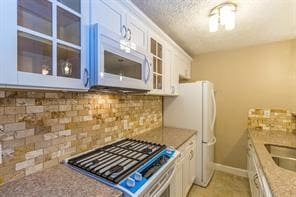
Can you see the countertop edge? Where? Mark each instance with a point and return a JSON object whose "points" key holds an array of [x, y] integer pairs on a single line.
{"points": [[276, 176], [168, 136]]}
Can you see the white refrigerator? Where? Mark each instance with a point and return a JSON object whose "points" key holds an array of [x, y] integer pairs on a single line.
{"points": [[195, 108]]}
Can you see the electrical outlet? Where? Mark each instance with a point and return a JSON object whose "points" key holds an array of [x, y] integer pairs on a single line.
{"points": [[267, 113], [125, 124], [142, 121], [0, 153]]}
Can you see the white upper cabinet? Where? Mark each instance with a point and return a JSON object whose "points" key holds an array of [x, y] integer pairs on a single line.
{"points": [[167, 53], [110, 14], [115, 17], [183, 65], [137, 33], [8, 46], [156, 45], [47, 44], [171, 78]]}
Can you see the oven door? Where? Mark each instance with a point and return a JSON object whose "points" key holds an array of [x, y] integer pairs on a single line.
{"points": [[166, 192], [118, 67], [162, 187]]}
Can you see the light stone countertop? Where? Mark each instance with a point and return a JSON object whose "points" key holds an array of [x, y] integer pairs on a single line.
{"points": [[282, 182], [168, 136], [58, 181], [61, 181]]}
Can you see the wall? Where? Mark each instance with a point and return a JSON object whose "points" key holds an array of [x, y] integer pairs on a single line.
{"points": [[262, 76], [40, 129]]}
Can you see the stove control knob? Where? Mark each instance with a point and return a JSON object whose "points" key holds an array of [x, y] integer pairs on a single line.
{"points": [[138, 176], [130, 182], [170, 150]]}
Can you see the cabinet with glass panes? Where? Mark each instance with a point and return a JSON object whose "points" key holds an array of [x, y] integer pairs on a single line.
{"points": [[50, 43], [157, 64]]}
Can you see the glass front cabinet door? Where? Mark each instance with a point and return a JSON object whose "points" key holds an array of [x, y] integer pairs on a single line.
{"points": [[45, 43], [156, 51]]}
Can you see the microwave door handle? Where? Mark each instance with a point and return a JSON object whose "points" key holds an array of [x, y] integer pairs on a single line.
{"points": [[148, 70]]}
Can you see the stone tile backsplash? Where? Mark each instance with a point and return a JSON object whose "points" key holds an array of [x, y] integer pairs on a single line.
{"points": [[271, 119], [40, 129]]}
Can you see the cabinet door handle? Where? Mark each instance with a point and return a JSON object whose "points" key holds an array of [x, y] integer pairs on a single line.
{"points": [[129, 32], [124, 31], [255, 178], [173, 89], [191, 155], [85, 77]]}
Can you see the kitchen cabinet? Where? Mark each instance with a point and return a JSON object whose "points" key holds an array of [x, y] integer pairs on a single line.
{"points": [[8, 42], [171, 78], [258, 184], [157, 60], [119, 20], [185, 169], [110, 14], [183, 66], [47, 44], [189, 165], [176, 66], [137, 33]]}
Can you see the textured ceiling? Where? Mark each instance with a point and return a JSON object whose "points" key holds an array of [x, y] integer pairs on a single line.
{"points": [[257, 21]]}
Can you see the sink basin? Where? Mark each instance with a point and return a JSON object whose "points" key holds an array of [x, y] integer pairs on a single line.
{"points": [[283, 156]]}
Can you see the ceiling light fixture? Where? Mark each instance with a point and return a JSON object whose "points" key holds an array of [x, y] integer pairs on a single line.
{"points": [[224, 15]]}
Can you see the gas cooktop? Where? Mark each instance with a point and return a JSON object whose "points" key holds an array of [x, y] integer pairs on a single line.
{"points": [[116, 161], [137, 168]]}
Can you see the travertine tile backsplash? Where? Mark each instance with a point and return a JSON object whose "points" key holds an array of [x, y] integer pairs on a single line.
{"points": [[40, 129], [271, 119]]}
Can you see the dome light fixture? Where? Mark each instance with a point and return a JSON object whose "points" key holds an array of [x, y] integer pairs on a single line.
{"points": [[223, 15]]}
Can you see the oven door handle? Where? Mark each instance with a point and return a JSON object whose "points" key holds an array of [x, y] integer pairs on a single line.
{"points": [[164, 186]]}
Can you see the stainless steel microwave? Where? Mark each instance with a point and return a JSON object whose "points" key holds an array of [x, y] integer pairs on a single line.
{"points": [[115, 65]]}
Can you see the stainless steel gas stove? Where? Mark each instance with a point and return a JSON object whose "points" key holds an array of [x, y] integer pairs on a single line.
{"points": [[135, 167]]}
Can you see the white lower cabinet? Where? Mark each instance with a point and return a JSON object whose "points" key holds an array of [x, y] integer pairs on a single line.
{"points": [[185, 169], [257, 180]]}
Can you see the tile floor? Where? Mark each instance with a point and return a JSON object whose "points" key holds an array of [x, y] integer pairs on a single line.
{"points": [[223, 185]]}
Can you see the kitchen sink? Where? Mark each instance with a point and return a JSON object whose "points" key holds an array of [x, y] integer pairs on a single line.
{"points": [[283, 156]]}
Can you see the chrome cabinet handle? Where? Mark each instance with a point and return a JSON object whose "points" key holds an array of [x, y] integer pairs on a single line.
{"points": [[173, 89], [191, 155], [129, 32], [255, 177], [85, 77], [124, 31]]}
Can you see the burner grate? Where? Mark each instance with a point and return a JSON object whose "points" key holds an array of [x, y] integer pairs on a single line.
{"points": [[116, 161]]}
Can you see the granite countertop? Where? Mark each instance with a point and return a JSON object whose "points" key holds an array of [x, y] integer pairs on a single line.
{"points": [[169, 136], [61, 181], [282, 182], [58, 181]]}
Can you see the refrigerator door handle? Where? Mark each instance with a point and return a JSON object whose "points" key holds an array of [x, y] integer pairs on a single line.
{"points": [[212, 142], [214, 114]]}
